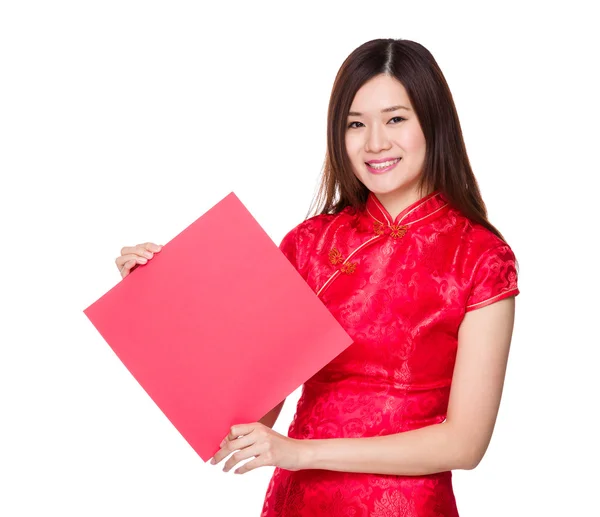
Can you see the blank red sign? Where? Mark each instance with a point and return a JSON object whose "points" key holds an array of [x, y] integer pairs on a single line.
{"points": [[218, 327]]}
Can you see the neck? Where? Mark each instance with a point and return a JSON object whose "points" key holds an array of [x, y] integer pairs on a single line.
{"points": [[395, 202]]}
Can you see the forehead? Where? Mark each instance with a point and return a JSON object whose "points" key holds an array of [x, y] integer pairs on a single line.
{"points": [[378, 93]]}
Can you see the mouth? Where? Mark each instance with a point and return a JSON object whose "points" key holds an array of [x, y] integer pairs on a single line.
{"points": [[377, 168]]}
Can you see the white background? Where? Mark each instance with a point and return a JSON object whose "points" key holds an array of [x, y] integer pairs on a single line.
{"points": [[122, 122]]}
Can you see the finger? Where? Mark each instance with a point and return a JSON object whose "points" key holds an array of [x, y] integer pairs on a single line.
{"points": [[251, 465], [120, 260], [131, 265], [124, 259], [133, 253], [128, 250], [147, 249], [127, 268], [241, 430], [244, 454], [151, 247], [232, 445], [138, 249], [142, 251]]}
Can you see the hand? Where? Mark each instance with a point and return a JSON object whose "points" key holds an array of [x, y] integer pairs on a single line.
{"points": [[269, 447], [131, 257]]}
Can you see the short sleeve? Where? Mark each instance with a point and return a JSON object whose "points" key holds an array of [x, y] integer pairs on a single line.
{"points": [[494, 278]]}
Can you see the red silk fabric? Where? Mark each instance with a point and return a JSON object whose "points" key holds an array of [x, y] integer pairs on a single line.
{"points": [[400, 288]]}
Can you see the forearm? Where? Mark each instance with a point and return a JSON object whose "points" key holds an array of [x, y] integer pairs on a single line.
{"points": [[431, 449]]}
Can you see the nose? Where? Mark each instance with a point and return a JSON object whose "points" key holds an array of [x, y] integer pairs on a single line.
{"points": [[377, 139]]}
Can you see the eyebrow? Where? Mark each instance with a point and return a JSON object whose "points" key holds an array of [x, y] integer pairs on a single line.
{"points": [[385, 110]]}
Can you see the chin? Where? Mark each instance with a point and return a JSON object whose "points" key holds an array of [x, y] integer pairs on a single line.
{"points": [[383, 188]]}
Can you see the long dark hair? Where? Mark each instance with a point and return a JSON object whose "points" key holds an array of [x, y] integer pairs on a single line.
{"points": [[446, 167]]}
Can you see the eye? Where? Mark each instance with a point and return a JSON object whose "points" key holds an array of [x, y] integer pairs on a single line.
{"points": [[400, 119]]}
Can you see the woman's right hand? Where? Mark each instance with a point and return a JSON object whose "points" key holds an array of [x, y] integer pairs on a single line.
{"points": [[132, 256]]}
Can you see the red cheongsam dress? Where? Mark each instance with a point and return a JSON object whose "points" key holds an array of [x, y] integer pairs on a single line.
{"points": [[400, 288]]}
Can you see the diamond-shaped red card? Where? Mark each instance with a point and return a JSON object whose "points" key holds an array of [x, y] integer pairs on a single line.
{"points": [[218, 327]]}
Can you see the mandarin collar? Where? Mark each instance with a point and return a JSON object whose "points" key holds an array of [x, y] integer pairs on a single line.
{"points": [[416, 211]]}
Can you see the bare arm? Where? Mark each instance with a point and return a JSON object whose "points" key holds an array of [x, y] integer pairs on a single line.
{"points": [[458, 443]]}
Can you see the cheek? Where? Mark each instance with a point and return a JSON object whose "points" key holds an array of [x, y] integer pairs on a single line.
{"points": [[353, 150], [353, 145], [413, 140]]}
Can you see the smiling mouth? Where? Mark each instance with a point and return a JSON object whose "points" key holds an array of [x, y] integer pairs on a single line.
{"points": [[382, 167]]}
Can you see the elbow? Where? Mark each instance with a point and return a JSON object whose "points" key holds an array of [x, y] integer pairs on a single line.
{"points": [[471, 457], [470, 463], [469, 452], [469, 448]]}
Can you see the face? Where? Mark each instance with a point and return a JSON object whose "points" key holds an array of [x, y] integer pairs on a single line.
{"points": [[376, 134]]}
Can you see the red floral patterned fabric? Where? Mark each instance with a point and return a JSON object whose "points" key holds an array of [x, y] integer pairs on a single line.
{"points": [[400, 288]]}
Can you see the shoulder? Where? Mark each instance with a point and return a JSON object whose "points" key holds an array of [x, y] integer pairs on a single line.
{"points": [[310, 229], [487, 263], [298, 243], [475, 239]]}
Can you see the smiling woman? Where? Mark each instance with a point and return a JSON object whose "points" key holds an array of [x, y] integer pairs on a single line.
{"points": [[403, 255]]}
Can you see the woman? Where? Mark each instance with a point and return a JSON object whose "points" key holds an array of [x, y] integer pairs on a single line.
{"points": [[402, 254]]}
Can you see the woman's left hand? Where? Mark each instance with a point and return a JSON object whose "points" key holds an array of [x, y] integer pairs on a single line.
{"points": [[256, 439]]}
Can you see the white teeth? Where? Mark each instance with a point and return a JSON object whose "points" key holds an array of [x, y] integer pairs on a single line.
{"points": [[384, 164]]}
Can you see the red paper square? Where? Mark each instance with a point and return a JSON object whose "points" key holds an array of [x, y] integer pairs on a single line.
{"points": [[218, 327]]}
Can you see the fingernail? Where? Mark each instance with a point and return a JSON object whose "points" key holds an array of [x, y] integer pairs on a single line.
{"points": [[213, 461]]}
